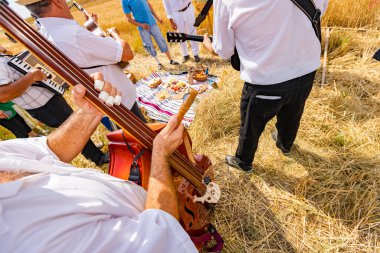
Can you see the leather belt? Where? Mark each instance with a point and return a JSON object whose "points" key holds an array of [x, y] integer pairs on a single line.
{"points": [[184, 9]]}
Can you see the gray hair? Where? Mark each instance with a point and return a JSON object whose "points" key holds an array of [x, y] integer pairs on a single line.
{"points": [[39, 8]]}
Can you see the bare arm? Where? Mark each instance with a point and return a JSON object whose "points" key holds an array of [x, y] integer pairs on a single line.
{"points": [[71, 137], [208, 44], [154, 13], [161, 193], [17, 88], [127, 51], [134, 22]]}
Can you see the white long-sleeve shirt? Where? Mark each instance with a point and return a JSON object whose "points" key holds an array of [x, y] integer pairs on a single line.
{"points": [[275, 39], [65, 209], [88, 50], [172, 6]]}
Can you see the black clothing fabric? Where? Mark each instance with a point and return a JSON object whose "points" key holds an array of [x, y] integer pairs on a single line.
{"points": [[137, 111], [261, 103], [17, 126]]}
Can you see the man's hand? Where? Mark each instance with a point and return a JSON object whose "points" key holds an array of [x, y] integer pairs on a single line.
{"points": [[84, 105], [207, 43], [145, 26], [113, 30], [169, 139], [3, 115], [38, 75], [70, 138], [173, 24], [94, 17], [160, 20]]}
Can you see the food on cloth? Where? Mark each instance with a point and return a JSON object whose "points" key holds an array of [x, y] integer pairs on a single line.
{"points": [[179, 96], [200, 76], [176, 85], [202, 88], [162, 95], [154, 83]]}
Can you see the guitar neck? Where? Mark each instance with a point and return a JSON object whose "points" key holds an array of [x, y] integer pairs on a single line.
{"points": [[195, 38]]}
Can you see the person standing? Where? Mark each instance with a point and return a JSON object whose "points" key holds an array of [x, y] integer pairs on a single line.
{"points": [[144, 17], [279, 54], [181, 15]]}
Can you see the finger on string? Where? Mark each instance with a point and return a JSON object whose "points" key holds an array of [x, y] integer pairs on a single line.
{"points": [[118, 98], [111, 99], [99, 81], [104, 94]]}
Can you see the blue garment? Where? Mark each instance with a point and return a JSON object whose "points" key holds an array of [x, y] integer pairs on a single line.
{"points": [[146, 36], [140, 10]]}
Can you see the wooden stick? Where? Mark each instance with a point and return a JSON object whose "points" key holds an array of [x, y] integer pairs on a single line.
{"points": [[327, 36], [186, 105]]}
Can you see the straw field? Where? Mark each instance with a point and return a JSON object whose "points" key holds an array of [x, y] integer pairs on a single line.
{"points": [[324, 197]]}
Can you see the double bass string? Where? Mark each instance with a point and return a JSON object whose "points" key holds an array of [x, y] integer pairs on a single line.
{"points": [[83, 76], [178, 160]]}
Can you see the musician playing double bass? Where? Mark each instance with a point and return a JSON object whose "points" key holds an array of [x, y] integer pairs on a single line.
{"points": [[41, 103], [92, 53], [60, 208]]}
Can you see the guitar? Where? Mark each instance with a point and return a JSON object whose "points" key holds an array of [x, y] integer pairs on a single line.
{"points": [[90, 24], [182, 37], [94, 27]]}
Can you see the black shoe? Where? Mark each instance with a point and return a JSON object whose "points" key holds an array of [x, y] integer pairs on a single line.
{"points": [[235, 162], [103, 160], [173, 62], [186, 58], [196, 58], [279, 145]]}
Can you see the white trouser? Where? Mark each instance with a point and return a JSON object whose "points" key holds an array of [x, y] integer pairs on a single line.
{"points": [[185, 24]]}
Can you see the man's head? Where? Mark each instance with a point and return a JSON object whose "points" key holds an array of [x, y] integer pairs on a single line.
{"points": [[47, 8]]}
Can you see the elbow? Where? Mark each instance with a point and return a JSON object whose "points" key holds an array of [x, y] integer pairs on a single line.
{"points": [[128, 56]]}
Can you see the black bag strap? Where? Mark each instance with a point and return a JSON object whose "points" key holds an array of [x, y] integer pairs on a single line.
{"points": [[308, 7], [203, 14], [93, 67], [134, 173]]}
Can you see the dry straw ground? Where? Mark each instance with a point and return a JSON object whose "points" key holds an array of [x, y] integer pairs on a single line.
{"points": [[324, 197]]}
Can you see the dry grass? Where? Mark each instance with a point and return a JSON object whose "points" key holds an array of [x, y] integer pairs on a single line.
{"points": [[325, 196]]}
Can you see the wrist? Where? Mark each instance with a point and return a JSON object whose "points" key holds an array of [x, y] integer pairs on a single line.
{"points": [[89, 116]]}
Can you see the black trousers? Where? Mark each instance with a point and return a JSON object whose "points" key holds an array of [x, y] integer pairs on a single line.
{"points": [[261, 103], [17, 126], [54, 113]]}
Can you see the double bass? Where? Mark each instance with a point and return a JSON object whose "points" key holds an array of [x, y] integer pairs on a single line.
{"points": [[197, 191]]}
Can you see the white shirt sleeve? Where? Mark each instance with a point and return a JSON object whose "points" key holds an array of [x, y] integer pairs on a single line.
{"points": [[325, 4], [98, 50], [224, 35], [156, 231], [4, 75], [168, 9], [31, 148]]}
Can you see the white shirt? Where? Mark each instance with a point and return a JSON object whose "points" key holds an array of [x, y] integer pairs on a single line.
{"points": [[88, 50], [34, 97], [66, 209], [174, 6], [275, 39]]}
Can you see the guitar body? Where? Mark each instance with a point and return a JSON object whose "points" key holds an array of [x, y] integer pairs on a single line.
{"points": [[194, 217]]}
